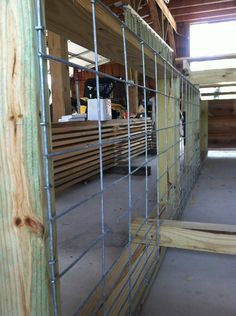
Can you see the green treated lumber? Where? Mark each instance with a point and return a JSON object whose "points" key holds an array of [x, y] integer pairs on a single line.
{"points": [[203, 129], [206, 237], [24, 276]]}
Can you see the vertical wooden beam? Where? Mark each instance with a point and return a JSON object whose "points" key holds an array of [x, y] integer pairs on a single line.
{"points": [[61, 103], [174, 152], [171, 38], [24, 277], [155, 17], [133, 92], [203, 129], [167, 13], [162, 135]]}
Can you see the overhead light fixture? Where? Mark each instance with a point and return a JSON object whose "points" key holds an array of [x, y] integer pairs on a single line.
{"points": [[167, 1]]}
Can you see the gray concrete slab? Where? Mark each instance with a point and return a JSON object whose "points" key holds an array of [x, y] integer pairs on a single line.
{"points": [[77, 230], [193, 283]]}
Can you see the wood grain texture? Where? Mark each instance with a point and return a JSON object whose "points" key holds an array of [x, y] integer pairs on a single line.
{"points": [[212, 76], [167, 14], [61, 102], [203, 129], [24, 282], [215, 238]]}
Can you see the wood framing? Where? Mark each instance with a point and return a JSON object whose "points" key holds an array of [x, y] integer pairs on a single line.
{"points": [[62, 16], [24, 275], [167, 14], [61, 103], [155, 17], [203, 129]]}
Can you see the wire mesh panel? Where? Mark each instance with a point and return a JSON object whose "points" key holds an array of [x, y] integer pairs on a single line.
{"points": [[107, 248]]}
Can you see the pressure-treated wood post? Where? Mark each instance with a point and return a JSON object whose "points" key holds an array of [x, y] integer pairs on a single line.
{"points": [[24, 277], [203, 129]]}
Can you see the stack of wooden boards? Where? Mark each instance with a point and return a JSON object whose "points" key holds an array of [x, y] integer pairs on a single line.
{"points": [[82, 138]]}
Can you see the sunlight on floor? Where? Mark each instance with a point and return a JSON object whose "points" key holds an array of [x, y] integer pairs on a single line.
{"points": [[228, 153]]}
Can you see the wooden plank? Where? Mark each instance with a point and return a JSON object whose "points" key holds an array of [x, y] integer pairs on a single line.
{"points": [[198, 240], [61, 102], [203, 129], [206, 58], [24, 276], [215, 76], [207, 237]]}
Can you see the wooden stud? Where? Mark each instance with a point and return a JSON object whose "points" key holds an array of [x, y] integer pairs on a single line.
{"points": [[133, 92], [155, 17], [203, 129], [167, 14], [24, 275], [61, 102]]}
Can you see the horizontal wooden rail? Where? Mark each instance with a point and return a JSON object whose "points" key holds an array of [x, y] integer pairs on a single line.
{"points": [[215, 238]]}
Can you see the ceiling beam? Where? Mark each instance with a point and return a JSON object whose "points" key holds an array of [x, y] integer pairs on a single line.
{"points": [[218, 93], [213, 76], [231, 84], [202, 17], [206, 58], [167, 14], [191, 3], [204, 8]]}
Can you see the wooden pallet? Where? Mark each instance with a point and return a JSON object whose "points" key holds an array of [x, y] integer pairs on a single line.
{"points": [[83, 137]]}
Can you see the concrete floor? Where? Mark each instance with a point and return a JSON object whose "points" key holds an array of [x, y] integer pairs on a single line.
{"points": [[77, 230], [193, 283]]}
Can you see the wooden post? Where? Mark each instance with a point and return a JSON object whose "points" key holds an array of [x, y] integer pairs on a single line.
{"points": [[61, 103], [133, 91], [24, 277], [162, 136], [203, 129]]}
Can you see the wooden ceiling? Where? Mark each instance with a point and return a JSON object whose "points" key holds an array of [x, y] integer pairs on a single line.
{"points": [[196, 11], [185, 11]]}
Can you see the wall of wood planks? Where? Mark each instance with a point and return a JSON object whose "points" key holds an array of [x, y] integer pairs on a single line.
{"points": [[222, 124]]}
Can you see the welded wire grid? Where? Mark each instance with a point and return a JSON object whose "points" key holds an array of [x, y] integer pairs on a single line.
{"points": [[177, 162]]}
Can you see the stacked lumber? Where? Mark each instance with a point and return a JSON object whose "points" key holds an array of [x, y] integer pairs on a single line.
{"points": [[83, 138]]}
